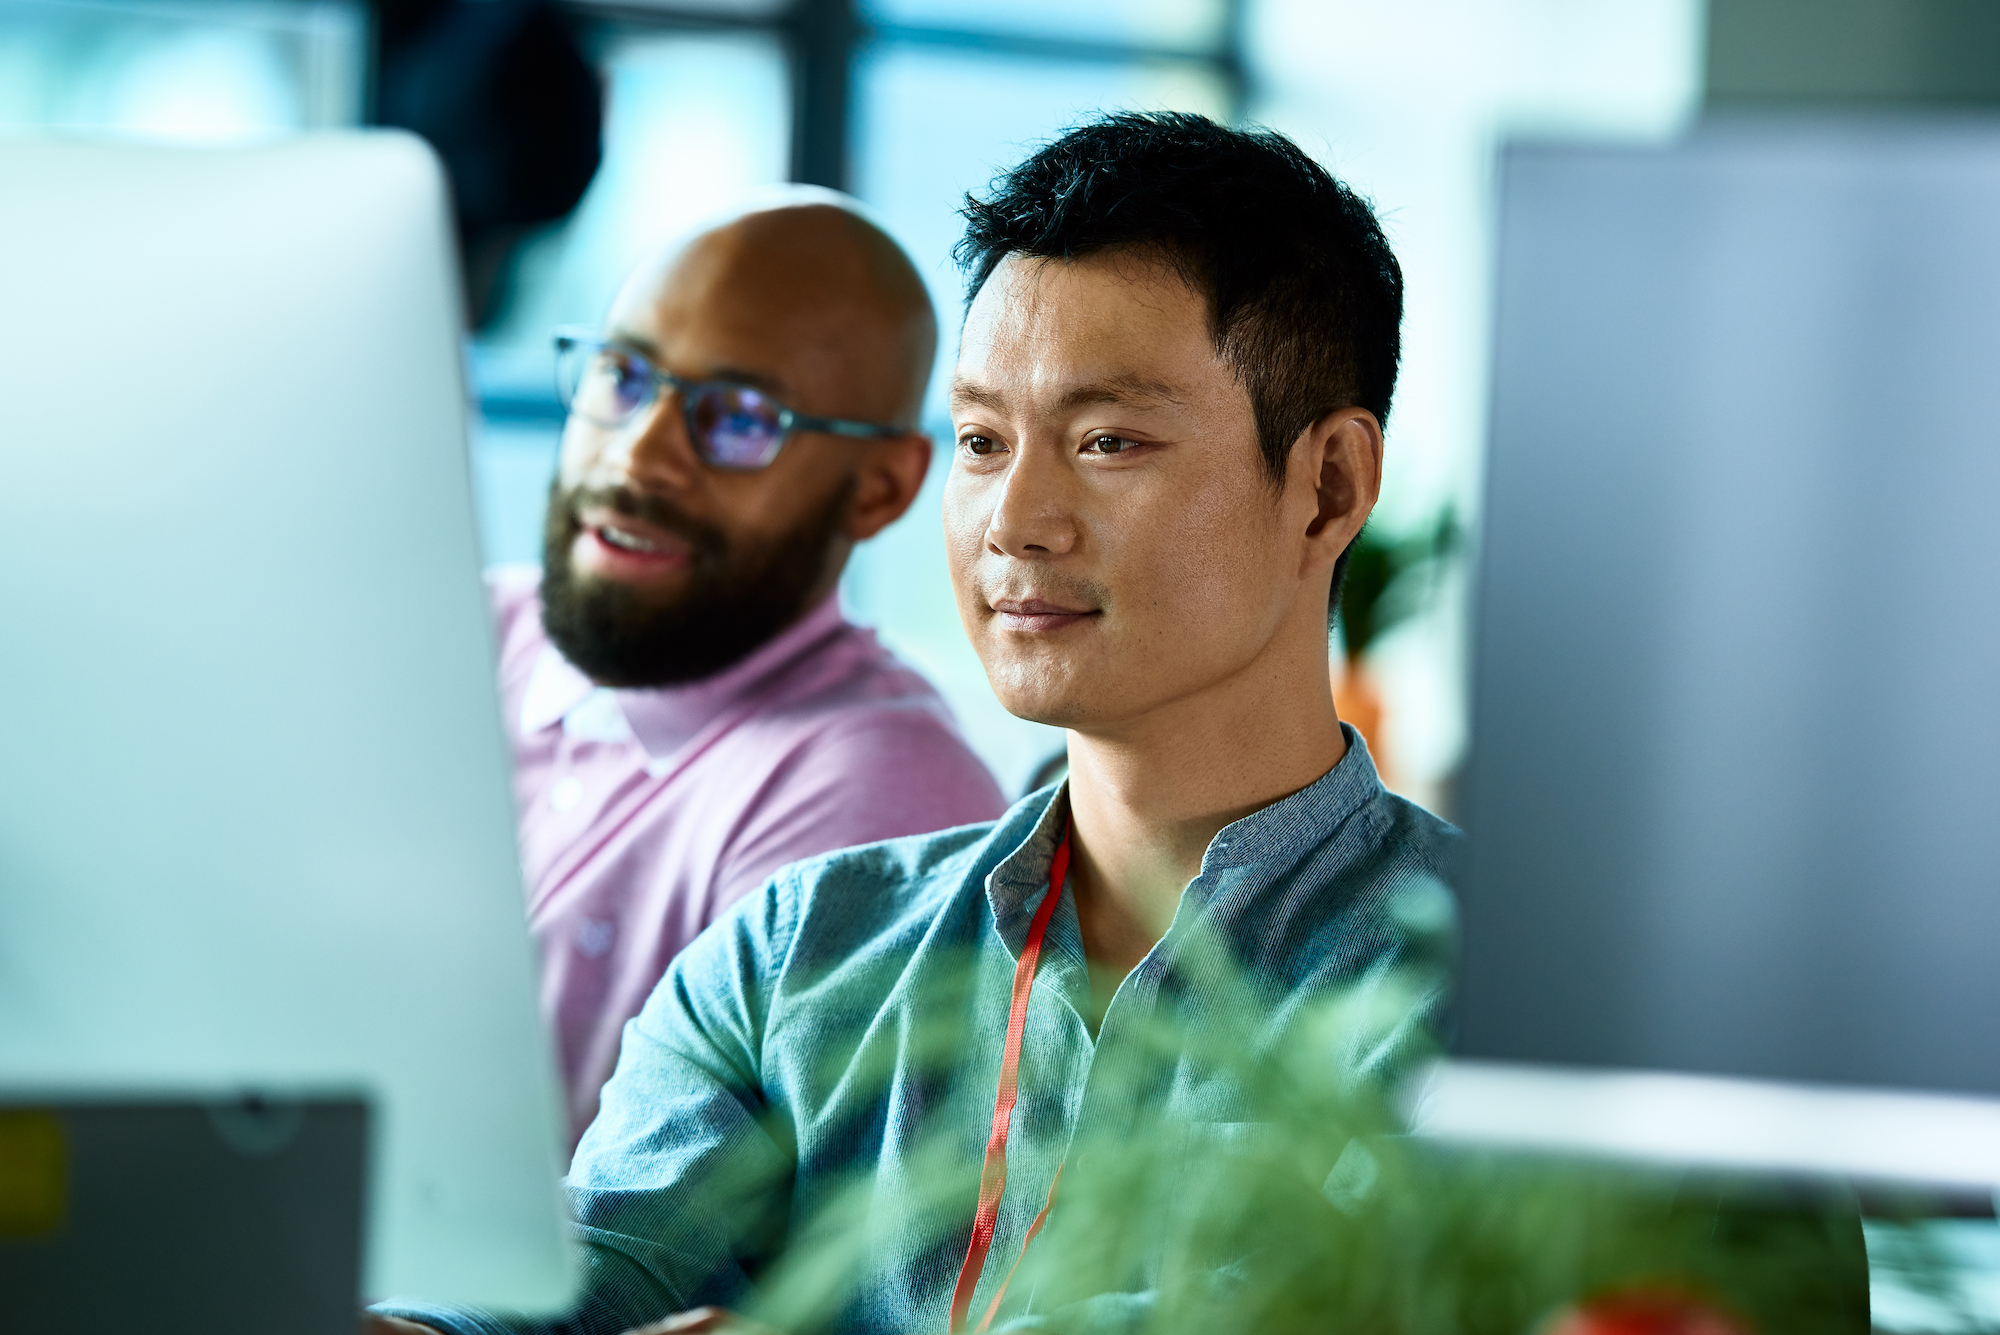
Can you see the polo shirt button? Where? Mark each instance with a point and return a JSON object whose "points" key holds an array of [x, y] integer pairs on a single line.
{"points": [[594, 937], [566, 793]]}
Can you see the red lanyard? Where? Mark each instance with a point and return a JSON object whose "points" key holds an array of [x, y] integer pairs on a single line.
{"points": [[993, 1178]]}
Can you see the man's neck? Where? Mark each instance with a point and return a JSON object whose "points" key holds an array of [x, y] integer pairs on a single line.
{"points": [[1147, 797]]}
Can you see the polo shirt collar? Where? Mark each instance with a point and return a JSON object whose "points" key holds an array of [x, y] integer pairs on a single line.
{"points": [[662, 719]]}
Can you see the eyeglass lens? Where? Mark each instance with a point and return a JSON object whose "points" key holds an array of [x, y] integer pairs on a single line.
{"points": [[733, 426], [603, 384]]}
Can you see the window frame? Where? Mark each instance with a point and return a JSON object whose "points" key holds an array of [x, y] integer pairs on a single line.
{"points": [[822, 40]]}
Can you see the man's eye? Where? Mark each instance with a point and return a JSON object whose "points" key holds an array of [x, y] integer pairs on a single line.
{"points": [[1107, 444], [979, 444], [625, 374]]}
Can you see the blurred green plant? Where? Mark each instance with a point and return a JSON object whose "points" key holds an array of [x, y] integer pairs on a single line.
{"points": [[1391, 578], [1316, 1213]]}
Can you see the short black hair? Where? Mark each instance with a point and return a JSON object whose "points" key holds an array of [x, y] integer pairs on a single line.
{"points": [[1305, 297]]}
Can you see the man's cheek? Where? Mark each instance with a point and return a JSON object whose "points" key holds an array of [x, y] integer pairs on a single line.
{"points": [[964, 539], [576, 456]]}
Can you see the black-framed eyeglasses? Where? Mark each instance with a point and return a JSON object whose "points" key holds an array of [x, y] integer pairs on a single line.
{"points": [[732, 426]]}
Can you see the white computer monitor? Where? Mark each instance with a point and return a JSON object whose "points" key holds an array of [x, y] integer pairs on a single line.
{"points": [[1733, 801], [255, 827]]}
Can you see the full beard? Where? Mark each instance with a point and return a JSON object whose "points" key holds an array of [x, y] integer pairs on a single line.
{"points": [[739, 595]]}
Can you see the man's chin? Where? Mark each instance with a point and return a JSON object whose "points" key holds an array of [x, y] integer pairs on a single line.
{"points": [[1041, 697]]}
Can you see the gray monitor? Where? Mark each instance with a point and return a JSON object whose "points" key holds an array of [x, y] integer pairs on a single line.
{"points": [[1733, 879], [181, 1218], [255, 828]]}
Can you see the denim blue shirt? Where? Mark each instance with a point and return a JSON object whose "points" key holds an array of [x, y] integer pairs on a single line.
{"points": [[846, 1024]]}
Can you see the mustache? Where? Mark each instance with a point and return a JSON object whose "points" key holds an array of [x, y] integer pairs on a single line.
{"points": [[1049, 587], [655, 510]]}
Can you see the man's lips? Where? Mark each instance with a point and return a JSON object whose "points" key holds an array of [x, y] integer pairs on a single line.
{"points": [[1039, 615], [616, 544]]}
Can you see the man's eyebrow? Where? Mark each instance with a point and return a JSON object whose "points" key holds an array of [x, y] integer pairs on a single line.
{"points": [[770, 384], [639, 343], [646, 348], [976, 395], [1132, 389]]}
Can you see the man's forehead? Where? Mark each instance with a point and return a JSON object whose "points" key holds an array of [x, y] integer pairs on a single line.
{"points": [[703, 311], [1098, 330], [1129, 277], [694, 342], [695, 280]]}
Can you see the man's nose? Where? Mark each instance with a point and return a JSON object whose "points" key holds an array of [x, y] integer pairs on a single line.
{"points": [[1035, 512]]}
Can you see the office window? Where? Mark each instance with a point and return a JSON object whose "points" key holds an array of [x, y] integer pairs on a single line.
{"points": [[693, 122], [1197, 26], [933, 124], [208, 73]]}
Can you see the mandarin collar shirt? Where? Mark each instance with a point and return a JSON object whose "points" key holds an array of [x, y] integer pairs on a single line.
{"points": [[644, 814], [794, 1049]]}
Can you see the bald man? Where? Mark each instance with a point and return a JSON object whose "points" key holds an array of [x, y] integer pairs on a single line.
{"points": [[688, 708]]}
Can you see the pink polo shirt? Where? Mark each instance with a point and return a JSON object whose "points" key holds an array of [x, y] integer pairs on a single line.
{"points": [[646, 813]]}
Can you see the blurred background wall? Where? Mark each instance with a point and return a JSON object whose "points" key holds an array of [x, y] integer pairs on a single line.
{"points": [[583, 134]]}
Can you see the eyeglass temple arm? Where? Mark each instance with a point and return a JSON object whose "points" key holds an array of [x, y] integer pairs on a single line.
{"points": [[839, 427], [797, 421]]}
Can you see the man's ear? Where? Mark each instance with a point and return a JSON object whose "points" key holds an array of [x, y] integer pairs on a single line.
{"points": [[1343, 452], [888, 480]]}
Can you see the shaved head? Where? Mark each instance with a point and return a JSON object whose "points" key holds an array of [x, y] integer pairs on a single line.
{"points": [[661, 567], [840, 295]]}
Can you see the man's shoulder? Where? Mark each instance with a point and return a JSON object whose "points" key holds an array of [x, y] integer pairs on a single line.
{"points": [[1416, 837], [912, 714], [1348, 833], [877, 897], [1341, 891], [838, 928], [852, 674], [512, 584], [874, 885], [1398, 851], [871, 726]]}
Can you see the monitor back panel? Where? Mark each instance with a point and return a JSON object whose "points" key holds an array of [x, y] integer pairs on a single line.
{"points": [[255, 828], [1734, 794]]}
